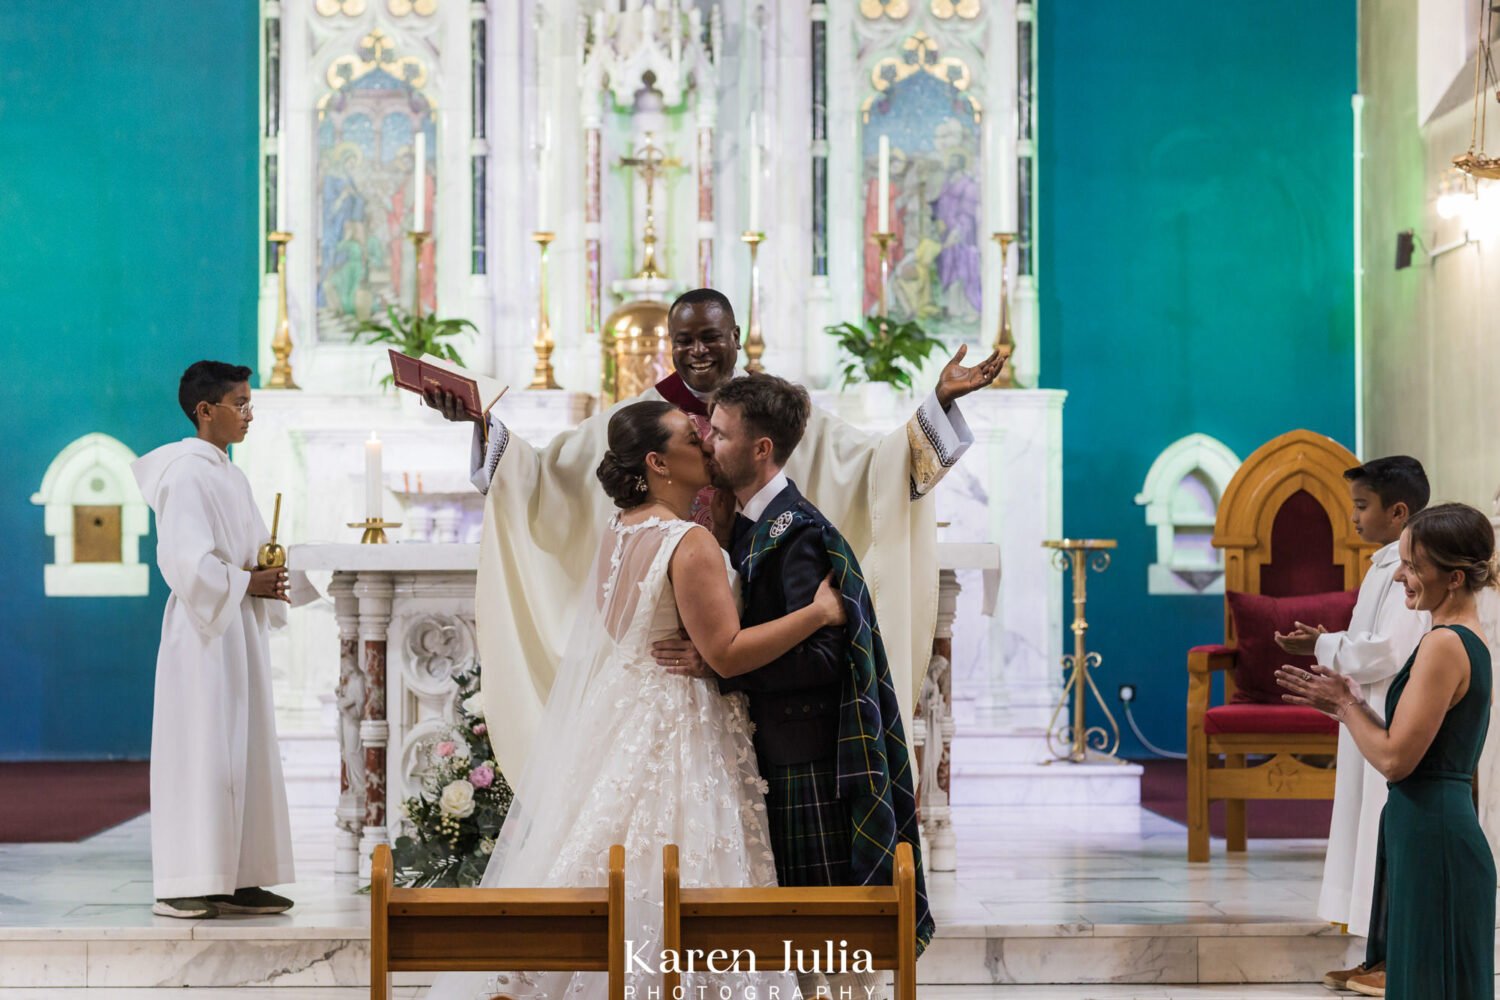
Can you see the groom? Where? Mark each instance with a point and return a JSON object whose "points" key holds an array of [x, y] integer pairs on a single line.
{"points": [[828, 733]]}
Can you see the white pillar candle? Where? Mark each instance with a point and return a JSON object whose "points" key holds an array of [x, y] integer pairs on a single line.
{"points": [[753, 224], [373, 485], [282, 173], [543, 182], [419, 185], [883, 190]]}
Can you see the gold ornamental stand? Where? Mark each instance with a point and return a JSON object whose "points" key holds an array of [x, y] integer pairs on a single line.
{"points": [[1005, 341], [543, 376], [281, 343], [1075, 741], [755, 344]]}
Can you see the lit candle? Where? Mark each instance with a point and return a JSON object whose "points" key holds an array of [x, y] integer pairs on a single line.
{"points": [[754, 222], [419, 186], [543, 183], [282, 173], [373, 485], [883, 192]]}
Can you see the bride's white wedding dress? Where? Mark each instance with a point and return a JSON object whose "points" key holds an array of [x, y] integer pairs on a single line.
{"points": [[630, 754]]}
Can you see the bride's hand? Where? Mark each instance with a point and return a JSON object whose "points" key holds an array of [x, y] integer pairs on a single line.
{"points": [[830, 602]]}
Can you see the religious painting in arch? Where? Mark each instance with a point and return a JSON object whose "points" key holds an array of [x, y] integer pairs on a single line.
{"points": [[935, 203], [367, 136]]}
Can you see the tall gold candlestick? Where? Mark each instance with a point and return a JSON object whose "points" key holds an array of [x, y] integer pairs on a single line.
{"points": [[543, 377], [1005, 341], [755, 344], [281, 342], [883, 240], [418, 237]]}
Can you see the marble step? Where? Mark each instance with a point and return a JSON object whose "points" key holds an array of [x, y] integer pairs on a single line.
{"points": [[988, 783], [257, 952]]}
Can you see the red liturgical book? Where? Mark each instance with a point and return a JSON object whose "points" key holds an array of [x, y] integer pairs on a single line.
{"points": [[477, 392]]}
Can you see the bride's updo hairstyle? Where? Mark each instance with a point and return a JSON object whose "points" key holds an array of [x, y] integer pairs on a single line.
{"points": [[635, 431], [1455, 536]]}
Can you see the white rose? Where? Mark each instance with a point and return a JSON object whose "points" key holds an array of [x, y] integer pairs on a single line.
{"points": [[457, 800], [461, 750], [473, 706]]}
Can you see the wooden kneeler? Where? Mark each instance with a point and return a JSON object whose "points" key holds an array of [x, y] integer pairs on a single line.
{"points": [[879, 919], [496, 930]]}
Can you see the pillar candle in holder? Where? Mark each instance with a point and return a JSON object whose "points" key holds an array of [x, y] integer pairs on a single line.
{"points": [[883, 191], [373, 485], [753, 223], [419, 185]]}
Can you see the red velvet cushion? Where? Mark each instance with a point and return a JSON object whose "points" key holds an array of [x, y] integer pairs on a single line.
{"points": [[1248, 718], [1257, 619]]}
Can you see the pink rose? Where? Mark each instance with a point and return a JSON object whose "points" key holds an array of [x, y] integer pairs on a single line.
{"points": [[445, 748], [481, 729], [481, 777]]}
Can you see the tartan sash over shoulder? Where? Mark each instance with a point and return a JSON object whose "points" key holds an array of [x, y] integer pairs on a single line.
{"points": [[874, 765]]}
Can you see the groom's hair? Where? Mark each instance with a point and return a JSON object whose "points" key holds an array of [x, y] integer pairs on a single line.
{"points": [[770, 407]]}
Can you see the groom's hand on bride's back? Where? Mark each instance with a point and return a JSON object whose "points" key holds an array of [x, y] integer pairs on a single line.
{"points": [[679, 656]]}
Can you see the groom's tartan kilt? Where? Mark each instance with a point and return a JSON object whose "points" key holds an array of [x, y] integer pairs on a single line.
{"points": [[809, 824]]}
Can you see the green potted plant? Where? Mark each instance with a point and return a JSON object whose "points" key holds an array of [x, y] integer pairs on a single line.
{"points": [[414, 336], [885, 353]]}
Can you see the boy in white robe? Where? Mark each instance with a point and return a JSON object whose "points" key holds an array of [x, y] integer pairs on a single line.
{"points": [[1382, 633], [219, 825]]}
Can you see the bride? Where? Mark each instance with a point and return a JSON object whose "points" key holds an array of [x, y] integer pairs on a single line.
{"points": [[630, 754]]}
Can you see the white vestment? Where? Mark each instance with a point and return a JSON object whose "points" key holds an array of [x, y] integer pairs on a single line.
{"points": [[545, 509], [1382, 634], [218, 802]]}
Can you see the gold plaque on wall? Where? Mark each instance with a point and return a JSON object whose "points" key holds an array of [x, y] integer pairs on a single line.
{"points": [[96, 534]]}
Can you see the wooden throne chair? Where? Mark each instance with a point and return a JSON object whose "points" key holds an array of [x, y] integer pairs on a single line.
{"points": [[1290, 553]]}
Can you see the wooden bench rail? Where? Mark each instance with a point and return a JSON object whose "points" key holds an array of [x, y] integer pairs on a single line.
{"points": [[496, 930], [765, 922]]}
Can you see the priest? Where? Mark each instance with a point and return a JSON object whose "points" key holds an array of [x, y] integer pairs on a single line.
{"points": [[544, 513]]}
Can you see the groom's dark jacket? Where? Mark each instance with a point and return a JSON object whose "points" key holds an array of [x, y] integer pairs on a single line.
{"points": [[794, 700]]}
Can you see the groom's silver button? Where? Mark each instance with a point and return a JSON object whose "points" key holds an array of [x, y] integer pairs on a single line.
{"points": [[806, 709], [789, 710]]}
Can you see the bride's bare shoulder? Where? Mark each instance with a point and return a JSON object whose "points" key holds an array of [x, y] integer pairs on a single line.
{"points": [[697, 550]]}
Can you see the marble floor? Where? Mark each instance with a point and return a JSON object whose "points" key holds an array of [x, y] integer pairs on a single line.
{"points": [[1049, 902]]}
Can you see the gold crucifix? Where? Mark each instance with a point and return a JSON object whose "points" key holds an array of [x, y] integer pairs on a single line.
{"points": [[652, 163]]}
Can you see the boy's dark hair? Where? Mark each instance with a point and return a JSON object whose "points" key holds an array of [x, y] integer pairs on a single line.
{"points": [[1397, 479], [207, 382], [771, 407], [703, 296]]}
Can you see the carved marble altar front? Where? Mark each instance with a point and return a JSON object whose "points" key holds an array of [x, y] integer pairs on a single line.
{"points": [[406, 627]]}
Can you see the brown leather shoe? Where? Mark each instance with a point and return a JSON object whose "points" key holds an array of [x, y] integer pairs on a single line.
{"points": [[1339, 978], [1371, 984]]}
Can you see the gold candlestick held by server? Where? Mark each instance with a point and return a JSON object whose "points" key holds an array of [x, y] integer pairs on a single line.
{"points": [[1005, 341], [1075, 741], [418, 237], [883, 240], [272, 555]]}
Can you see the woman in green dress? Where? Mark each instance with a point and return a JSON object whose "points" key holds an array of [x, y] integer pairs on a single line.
{"points": [[1433, 919]]}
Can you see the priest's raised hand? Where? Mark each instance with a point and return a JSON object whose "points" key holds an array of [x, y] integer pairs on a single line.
{"points": [[955, 380]]}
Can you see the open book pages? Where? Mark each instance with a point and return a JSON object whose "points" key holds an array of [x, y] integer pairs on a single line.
{"points": [[477, 392]]}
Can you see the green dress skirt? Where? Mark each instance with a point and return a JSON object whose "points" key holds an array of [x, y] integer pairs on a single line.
{"points": [[1433, 916]]}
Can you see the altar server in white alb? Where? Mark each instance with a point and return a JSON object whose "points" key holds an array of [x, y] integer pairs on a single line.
{"points": [[1385, 493], [219, 827]]}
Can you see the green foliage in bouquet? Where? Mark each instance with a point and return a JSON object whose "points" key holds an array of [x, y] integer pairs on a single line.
{"points": [[414, 336], [463, 801], [890, 355]]}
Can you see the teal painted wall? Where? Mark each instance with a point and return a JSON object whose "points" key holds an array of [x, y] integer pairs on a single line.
{"points": [[128, 201], [1195, 272]]}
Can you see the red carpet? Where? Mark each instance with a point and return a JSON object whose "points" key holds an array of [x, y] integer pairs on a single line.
{"points": [[54, 801], [1164, 792]]}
